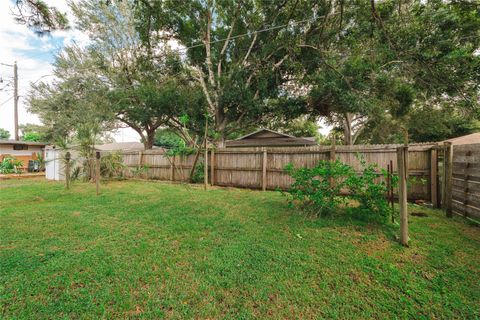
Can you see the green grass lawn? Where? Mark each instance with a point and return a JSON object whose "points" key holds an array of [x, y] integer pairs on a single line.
{"points": [[155, 250]]}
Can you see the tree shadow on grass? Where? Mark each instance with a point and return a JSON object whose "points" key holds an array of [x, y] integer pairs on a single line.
{"points": [[346, 218]]}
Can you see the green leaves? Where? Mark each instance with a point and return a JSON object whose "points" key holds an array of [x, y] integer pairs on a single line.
{"points": [[10, 165], [4, 134], [39, 17], [314, 189], [332, 184]]}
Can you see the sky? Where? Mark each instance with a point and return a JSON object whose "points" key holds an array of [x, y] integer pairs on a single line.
{"points": [[34, 56]]}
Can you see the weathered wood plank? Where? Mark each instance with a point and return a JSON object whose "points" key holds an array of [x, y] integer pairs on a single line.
{"points": [[448, 178], [466, 210]]}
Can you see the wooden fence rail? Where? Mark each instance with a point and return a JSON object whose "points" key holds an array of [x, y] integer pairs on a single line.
{"points": [[262, 168]]}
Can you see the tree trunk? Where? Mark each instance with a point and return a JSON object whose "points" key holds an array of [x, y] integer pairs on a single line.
{"points": [[148, 141], [220, 141], [347, 129]]}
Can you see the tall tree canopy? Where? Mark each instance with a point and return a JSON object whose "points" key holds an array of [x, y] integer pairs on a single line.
{"points": [[362, 65], [241, 53], [141, 84], [392, 57]]}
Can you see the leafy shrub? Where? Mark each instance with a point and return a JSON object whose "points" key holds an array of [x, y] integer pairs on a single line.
{"points": [[76, 173], [369, 191], [139, 171], [10, 165], [112, 166], [312, 187], [331, 184], [198, 175], [41, 161]]}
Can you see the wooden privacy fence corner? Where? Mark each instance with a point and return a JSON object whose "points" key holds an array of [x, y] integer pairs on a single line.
{"points": [[465, 181]]}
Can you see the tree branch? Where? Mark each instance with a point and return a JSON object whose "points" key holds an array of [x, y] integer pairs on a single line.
{"points": [[249, 49], [201, 79], [208, 48], [225, 45]]}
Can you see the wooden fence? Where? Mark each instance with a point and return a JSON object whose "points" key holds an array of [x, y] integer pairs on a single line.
{"points": [[262, 168], [466, 181]]}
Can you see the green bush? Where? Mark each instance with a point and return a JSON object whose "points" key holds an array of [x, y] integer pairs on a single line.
{"points": [[369, 190], [112, 166], [312, 187], [10, 165], [198, 175], [331, 184], [138, 172]]}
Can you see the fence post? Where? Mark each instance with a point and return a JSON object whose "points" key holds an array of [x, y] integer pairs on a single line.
{"points": [[172, 169], [433, 177], [264, 170], [67, 170], [140, 158], [391, 191], [205, 168], [333, 153], [389, 188], [333, 156], [212, 167], [140, 161], [466, 178], [448, 159], [402, 165], [97, 172]]}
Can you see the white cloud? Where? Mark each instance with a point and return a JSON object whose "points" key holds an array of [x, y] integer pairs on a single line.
{"points": [[34, 56]]}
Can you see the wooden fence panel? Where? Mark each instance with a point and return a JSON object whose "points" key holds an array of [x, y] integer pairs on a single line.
{"points": [[243, 167], [238, 168], [466, 181], [278, 159]]}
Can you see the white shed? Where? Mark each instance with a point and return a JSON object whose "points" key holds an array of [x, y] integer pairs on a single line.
{"points": [[54, 168]]}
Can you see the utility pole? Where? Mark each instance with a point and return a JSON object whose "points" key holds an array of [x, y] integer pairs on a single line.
{"points": [[15, 96], [15, 99]]}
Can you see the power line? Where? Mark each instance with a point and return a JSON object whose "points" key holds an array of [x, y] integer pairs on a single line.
{"points": [[1, 104], [5, 86], [46, 75], [292, 23]]}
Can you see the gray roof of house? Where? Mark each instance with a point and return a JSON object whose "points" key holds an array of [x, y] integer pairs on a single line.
{"points": [[124, 146], [468, 139], [266, 137], [28, 143]]}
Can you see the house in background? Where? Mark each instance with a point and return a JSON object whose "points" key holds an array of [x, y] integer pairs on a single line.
{"points": [[468, 139], [120, 146], [269, 138], [21, 150]]}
